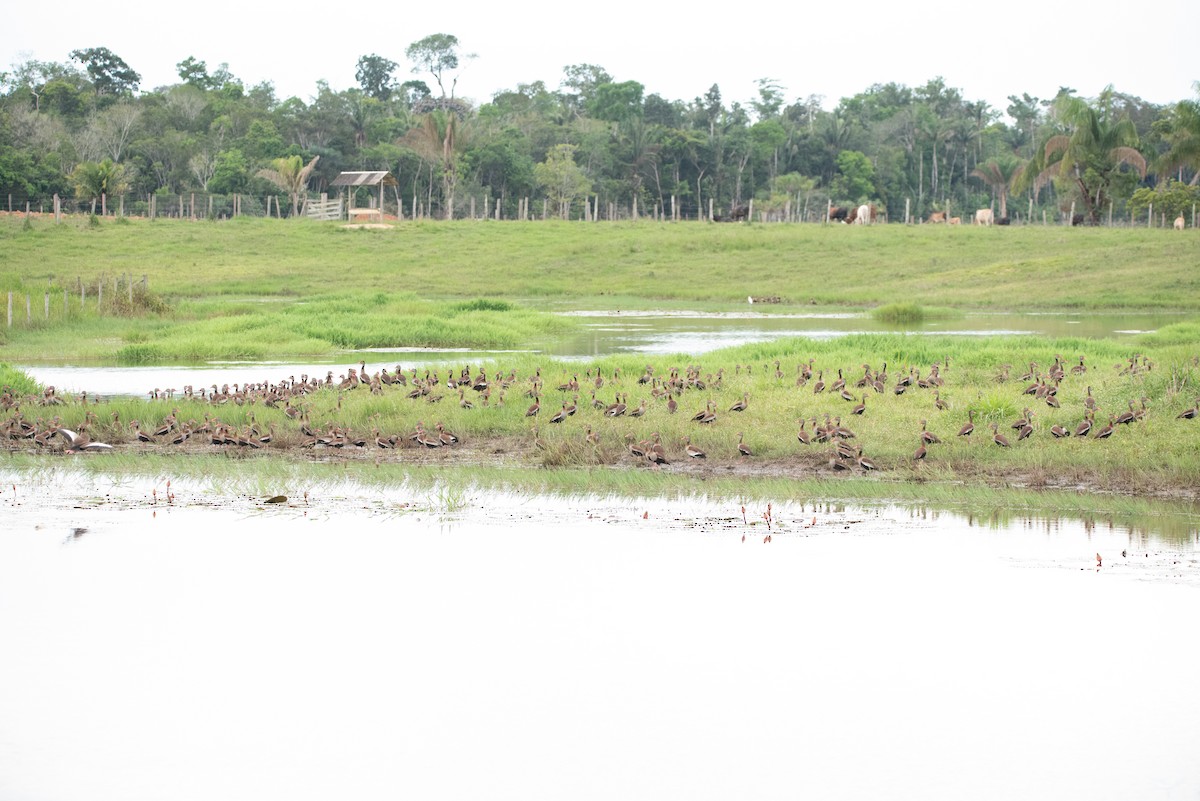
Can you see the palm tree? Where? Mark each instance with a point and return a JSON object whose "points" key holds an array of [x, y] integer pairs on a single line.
{"points": [[98, 180], [1184, 136], [998, 173], [290, 174], [1089, 156], [440, 138]]}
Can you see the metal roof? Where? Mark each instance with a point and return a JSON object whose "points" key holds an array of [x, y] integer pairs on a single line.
{"points": [[373, 178]]}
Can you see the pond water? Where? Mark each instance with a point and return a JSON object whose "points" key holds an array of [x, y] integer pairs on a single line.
{"points": [[601, 334], [174, 641]]}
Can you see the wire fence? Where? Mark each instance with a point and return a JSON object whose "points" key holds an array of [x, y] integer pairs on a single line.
{"points": [[593, 208]]}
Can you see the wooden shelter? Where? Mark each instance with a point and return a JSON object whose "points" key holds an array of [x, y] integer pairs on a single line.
{"points": [[352, 181]]}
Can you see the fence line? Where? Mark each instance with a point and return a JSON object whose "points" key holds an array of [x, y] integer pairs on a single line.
{"points": [[133, 287]]}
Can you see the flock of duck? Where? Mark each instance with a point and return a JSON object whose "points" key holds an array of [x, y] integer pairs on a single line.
{"points": [[664, 393]]}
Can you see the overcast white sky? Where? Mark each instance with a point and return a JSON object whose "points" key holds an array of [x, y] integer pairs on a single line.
{"points": [[836, 49]]}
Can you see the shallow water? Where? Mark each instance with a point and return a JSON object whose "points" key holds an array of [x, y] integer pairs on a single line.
{"points": [[602, 334], [171, 642]]}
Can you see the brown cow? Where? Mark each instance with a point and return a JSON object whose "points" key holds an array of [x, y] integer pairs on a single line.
{"points": [[955, 221], [937, 217], [1179, 223], [838, 214]]}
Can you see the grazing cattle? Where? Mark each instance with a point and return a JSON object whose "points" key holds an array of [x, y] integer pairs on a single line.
{"points": [[739, 213], [1002, 221], [983, 217], [1179, 223], [851, 215], [937, 217], [864, 215], [838, 214], [1077, 220], [955, 220]]}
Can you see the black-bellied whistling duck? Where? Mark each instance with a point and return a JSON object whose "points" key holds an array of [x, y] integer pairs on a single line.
{"points": [[741, 405], [1026, 429], [1080, 368], [845, 395], [865, 463], [1083, 428], [1088, 401], [839, 384], [743, 449], [692, 451], [573, 406], [938, 403], [592, 438], [1190, 414], [1105, 432], [560, 415], [710, 414], [802, 435], [1140, 413], [656, 454], [534, 408], [845, 450], [462, 400], [928, 437], [819, 387], [1126, 417], [672, 405], [636, 449], [1059, 432], [640, 410], [138, 433], [998, 438], [969, 428], [447, 437], [861, 408], [1021, 421], [617, 408], [840, 430], [1052, 401], [919, 454]]}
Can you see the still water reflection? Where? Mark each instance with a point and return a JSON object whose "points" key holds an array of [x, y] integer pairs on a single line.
{"points": [[166, 642]]}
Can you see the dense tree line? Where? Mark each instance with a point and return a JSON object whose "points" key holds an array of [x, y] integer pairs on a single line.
{"points": [[84, 128]]}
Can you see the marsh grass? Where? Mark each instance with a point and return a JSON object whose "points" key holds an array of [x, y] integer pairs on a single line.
{"points": [[1158, 456]]}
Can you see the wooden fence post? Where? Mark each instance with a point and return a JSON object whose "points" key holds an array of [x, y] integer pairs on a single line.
{"points": [[47, 304], [907, 219], [28, 310], [57, 209], [1150, 216]]}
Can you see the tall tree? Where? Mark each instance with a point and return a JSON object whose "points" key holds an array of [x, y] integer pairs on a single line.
{"points": [[109, 73], [374, 75], [438, 55], [1090, 154], [561, 178]]}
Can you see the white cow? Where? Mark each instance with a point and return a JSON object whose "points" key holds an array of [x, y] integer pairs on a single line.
{"points": [[864, 215], [983, 217], [1179, 223]]}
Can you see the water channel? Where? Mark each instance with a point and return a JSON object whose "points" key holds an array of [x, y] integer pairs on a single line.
{"points": [[176, 642], [600, 334]]}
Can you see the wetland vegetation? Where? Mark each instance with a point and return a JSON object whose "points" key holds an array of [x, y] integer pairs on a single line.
{"points": [[264, 289]]}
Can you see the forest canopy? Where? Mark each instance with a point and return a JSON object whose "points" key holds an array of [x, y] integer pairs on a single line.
{"points": [[76, 127]]}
